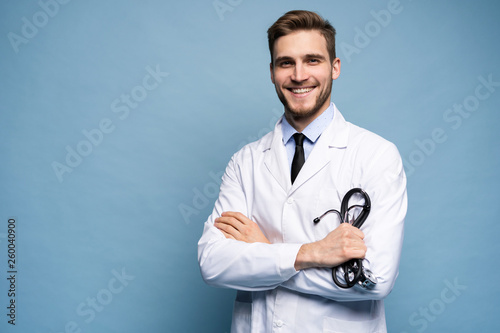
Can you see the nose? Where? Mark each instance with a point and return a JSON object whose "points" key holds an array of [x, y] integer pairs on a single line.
{"points": [[299, 73]]}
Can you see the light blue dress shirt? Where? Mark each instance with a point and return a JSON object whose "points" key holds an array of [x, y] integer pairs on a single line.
{"points": [[312, 133]]}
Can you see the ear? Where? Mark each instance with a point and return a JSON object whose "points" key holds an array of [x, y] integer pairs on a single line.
{"points": [[272, 72], [335, 68]]}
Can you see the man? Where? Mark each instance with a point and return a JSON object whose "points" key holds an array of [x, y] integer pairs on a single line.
{"points": [[260, 238]]}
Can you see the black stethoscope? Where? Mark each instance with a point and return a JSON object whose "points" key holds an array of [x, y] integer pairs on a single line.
{"points": [[354, 272]]}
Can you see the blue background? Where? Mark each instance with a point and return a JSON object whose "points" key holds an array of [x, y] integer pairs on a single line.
{"points": [[135, 204]]}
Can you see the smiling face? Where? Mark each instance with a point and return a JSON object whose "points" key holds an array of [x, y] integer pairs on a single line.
{"points": [[302, 73]]}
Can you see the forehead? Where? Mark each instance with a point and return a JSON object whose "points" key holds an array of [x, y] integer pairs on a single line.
{"points": [[300, 43]]}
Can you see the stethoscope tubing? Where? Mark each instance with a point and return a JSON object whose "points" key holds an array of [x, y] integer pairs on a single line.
{"points": [[354, 264]]}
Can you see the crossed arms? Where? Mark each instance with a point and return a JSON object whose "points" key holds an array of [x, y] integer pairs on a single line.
{"points": [[340, 245], [234, 252]]}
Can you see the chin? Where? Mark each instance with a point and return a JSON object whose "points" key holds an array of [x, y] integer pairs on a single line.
{"points": [[306, 109], [302, 112]]}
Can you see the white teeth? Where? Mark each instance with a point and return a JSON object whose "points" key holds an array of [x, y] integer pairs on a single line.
{"points": [[301, 90]]}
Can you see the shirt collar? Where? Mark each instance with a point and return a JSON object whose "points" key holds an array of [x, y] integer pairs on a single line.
{"points": [[313, 130]]}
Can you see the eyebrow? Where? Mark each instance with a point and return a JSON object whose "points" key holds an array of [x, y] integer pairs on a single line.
{"points": [[315, 55], [307, 56]]}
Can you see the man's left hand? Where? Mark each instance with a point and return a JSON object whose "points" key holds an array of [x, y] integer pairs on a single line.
{"points": [[237, 226]]}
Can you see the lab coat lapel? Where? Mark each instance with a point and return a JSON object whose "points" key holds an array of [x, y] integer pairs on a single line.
{"points": [[335, 136], [276, 159]]}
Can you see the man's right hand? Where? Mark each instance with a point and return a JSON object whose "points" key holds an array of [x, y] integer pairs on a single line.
{"points": [[340, 245]]}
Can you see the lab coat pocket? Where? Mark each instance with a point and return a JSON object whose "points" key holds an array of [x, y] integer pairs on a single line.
{"points": [[242, 313], [334, 325]]}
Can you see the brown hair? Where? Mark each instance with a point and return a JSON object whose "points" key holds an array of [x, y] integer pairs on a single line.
{"points": [[296, 20]]}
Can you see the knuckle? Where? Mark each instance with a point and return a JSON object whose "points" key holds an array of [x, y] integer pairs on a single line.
{"points": [[346, 253]]}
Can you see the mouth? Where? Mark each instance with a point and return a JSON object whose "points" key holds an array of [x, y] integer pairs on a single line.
{"points": [[300, 91]]}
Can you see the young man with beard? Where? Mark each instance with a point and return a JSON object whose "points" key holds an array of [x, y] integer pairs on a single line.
{"points": [[260, 238]]}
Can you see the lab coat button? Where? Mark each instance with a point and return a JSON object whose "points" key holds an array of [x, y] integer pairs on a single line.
{"points": [[289, 201], [278, 323]]}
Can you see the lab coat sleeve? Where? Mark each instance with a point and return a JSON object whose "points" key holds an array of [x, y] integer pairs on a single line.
{"points": [[235, 264], [383, 229]]}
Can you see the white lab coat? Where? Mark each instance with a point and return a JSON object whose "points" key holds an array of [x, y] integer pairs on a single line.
{"points": [[273, 296]]}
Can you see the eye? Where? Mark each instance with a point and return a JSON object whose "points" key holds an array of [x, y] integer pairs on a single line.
{"points": [[314, 61], [285, 63]]}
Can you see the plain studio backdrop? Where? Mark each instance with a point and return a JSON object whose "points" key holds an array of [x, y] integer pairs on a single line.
{"points": [[117, 119]]}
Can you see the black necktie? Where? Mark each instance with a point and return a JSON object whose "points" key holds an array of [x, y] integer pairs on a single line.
{"points": [[298, 158]]}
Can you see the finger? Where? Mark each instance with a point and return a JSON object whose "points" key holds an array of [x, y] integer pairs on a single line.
{"points": [[231, 221], [358, 233], [352, 230], [229, 236], [238, 216], [360, 249], [354, 251], [227, 228]]}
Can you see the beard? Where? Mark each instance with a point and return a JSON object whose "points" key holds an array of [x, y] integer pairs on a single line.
{"points": [[298, 112]]}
